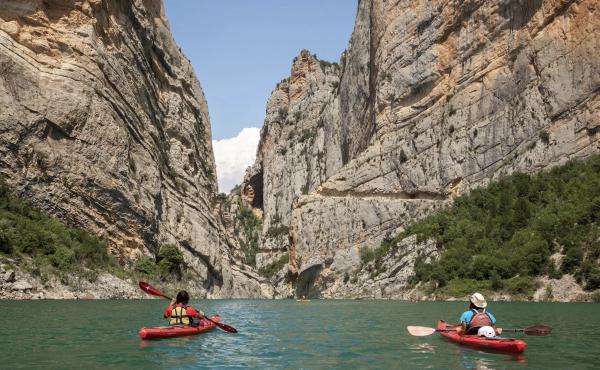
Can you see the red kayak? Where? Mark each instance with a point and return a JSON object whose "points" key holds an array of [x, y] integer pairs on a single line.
{"points": [[506, 345], [174, 331]]}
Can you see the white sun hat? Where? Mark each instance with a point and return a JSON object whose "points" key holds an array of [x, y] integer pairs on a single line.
{"points": [[478, 300]]}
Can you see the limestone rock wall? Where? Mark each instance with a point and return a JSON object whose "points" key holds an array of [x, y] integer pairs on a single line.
{"points": [[435, 98], [104, 125]]}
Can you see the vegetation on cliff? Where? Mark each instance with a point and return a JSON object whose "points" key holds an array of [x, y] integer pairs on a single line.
{"points": [[274, 267], [27, 232], [501, 236], [248, 229], [45, 246]]}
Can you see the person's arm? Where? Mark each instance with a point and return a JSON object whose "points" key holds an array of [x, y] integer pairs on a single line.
{"points": [[169, 309], [464, 319], [492, 318], [194, 312], [497, 330]]}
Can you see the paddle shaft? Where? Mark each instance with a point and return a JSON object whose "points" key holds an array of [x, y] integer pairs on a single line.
{"points": [[533, 330], [503, 330]]}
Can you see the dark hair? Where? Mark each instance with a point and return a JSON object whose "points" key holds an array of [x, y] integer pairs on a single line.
{"points": [[471, 306], [183, 297]]}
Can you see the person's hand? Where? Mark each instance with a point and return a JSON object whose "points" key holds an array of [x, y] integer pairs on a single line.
{"points": [[173, 301], [498, 331], [201, 314]]}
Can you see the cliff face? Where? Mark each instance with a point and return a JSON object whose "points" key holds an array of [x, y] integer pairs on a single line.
{"points": [[104, 125], [431, 100]]}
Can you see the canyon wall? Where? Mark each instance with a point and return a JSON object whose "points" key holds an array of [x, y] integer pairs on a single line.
{"points": [[104, 125], [431, 99]]}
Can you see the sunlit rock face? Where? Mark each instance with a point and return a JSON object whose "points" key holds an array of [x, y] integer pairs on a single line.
{"points": [[430, 100], [104, 125]]}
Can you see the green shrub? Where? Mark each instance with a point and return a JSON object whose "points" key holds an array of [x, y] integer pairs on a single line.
{"points": [[166, 268], [271, 269], [593, 279], [277, 231], [572, 259], [465, 287], [282, 113], [5, 246], [146, 266], [248, 230], [170, 259], [523, 285], [63, 258], [307, 134], [366, 255]]}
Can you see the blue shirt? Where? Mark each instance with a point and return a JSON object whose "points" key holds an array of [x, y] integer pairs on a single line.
{"points": [[468, 315]]}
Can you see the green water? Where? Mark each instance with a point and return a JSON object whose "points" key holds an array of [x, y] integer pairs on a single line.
{"points": [[285, 334]]}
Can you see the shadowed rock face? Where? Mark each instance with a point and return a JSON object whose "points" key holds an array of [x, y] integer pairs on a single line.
{"points": [[104, 125], [434, 98]]}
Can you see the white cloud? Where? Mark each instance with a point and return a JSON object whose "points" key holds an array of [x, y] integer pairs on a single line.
{"points": [[234, 155]]}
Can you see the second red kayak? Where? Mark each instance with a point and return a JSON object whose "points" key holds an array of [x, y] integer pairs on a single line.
{"points": [[506, 345], [173, 331]]}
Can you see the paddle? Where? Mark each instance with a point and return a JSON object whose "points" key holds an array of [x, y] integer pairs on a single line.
{"points": [[152, 290], [533, 330]]}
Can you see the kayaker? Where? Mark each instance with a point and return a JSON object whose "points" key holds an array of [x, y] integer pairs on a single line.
{"points": [[180, 313], [477, 318]]}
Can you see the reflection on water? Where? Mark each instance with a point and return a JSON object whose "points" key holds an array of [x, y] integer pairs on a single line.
{"points": [[285, 335], [422, 348]]}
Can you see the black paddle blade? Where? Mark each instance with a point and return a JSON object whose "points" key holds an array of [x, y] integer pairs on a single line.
{"points": [[538, 330]]}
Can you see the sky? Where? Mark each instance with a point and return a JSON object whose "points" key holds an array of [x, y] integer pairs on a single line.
{"points": [[240, 49]]}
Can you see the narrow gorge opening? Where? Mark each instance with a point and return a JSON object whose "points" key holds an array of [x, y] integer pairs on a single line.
{"points": [[305, 286], [254, 190]]}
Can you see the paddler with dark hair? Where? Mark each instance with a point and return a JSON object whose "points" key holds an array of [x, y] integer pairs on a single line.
{"points": [[180, 313], [477, 320]]}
